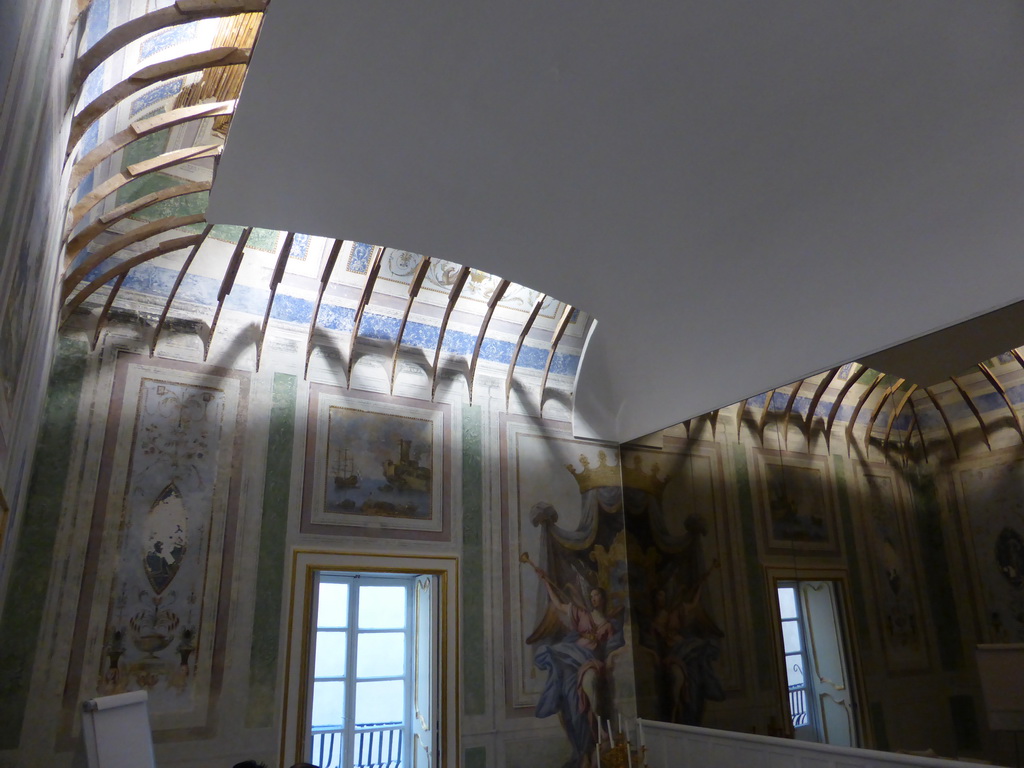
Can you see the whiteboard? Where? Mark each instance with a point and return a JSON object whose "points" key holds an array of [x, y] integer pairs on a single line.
{"points": [[1001, 669], [116, 731]]}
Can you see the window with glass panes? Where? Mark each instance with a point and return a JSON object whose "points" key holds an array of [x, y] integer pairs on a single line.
{"points": [[793, 648], [362, 670]]}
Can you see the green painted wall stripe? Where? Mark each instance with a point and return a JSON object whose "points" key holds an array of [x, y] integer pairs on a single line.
{"points": [[963, 713], [474, 671], [935, 561], [270, 573], [881, 733], [858, 588], [760, 616], [474, 757], [30, 576]]}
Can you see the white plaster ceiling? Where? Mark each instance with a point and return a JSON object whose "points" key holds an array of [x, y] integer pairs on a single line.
{"points": [[743, 192]]}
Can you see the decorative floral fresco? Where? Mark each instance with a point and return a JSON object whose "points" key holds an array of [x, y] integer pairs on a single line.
{"points": [[895, 579], [400, 266], [993, 513], [163, 536]]}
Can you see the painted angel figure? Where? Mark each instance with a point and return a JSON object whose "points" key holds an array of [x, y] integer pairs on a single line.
{"points": [[575, 637], [688, 639]]}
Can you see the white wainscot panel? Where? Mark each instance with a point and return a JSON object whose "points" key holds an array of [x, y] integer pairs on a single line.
{"points": [[675, 746]]}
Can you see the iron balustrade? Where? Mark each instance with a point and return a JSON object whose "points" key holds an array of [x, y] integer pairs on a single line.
{"points": [[798, 705], [377, 745]]}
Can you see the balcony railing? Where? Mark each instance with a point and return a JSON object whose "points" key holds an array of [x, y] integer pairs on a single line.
{"points": [[798, 705], [376, 745]]}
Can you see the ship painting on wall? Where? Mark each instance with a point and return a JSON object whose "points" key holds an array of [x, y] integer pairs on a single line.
{"points": [[798, 515], [378, 464]]}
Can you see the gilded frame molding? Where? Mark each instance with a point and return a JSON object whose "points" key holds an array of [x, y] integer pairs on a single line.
{"points": [[305, 564]]}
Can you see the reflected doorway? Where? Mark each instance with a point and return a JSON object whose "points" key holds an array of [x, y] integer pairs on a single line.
{"points": [[815, 657]]}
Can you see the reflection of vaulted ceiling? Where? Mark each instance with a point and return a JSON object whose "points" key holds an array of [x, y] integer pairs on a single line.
{"points": [[155, 97]]}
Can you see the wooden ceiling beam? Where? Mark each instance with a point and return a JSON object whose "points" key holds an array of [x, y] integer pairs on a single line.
{"points": [[789, 408], [519, 345], [147, 76], [114, 183], [140, 129], [227, 283], [492, 303], [136, 235], [453, 297], [945, 420], [763, 420], [325, 278], [556, 337], [181, 12], [889, 392], [167, 246], [275, 281], [896, 414], [819, 392], [998, 387], [856, 374], [177, 284], [1017, 357], [106, 308], [973, 408], [364, 301], [860, 404], [414, 290], [102, 223]]}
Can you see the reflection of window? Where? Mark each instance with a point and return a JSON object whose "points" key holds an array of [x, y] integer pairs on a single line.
{"points": [[362, 672], [821, 699], [793, 647]]}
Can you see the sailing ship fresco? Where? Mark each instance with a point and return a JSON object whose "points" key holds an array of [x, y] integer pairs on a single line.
{"points": [[401, 447], [344, 470]]}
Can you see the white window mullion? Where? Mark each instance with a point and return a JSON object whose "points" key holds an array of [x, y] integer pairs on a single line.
{"points": [[350, 671], [312, 653], [390, 679], [410, 672]]}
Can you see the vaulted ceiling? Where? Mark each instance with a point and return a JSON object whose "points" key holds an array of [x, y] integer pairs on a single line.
{"points": [[740, 195]]}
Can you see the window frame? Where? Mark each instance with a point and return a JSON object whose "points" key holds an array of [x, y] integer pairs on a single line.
{"points": [[806, 688], [774, 577], [301, 621], [354, 634]]}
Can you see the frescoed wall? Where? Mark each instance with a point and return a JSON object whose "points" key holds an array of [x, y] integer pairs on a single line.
{"points": [[992, 516], [680, 572], [567, 605], [179, 490], [598, 581], [149, 548], [32, 96]]}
